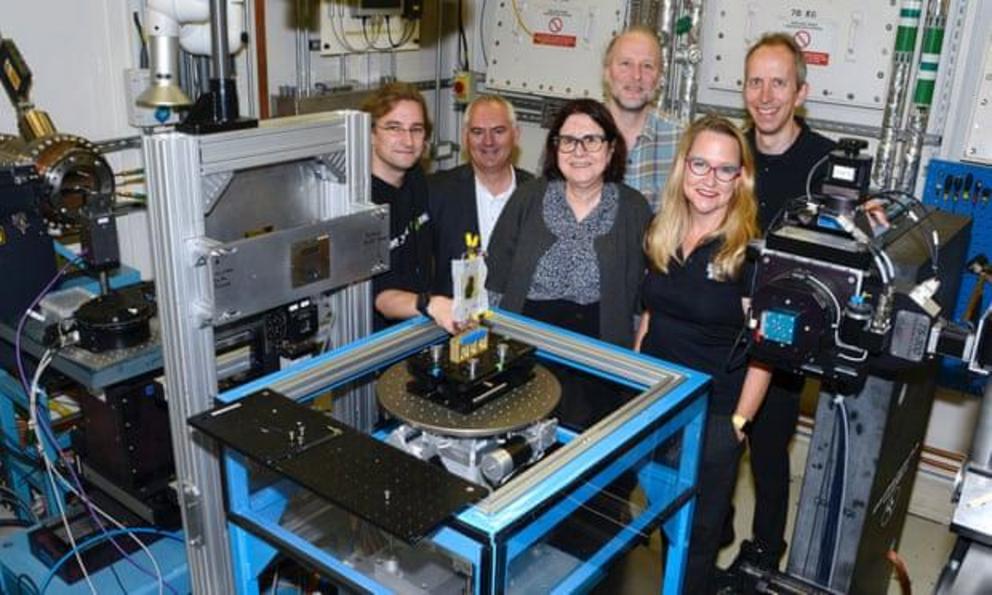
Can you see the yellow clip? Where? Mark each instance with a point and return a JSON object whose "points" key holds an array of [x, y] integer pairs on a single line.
{"points": [[471, 243]]}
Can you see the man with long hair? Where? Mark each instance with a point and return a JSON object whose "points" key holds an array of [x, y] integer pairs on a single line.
{"points": [[400, 128]]}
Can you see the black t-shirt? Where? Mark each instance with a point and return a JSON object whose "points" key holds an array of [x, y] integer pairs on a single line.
{"points": [[696, 322], [780, 178], [410, 237]]}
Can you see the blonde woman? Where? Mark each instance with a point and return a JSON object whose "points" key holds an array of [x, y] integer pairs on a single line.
{"points": [[695, 295]]}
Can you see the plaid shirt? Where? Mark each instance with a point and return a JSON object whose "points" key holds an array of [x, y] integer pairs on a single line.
{"points": [[650, 160]]}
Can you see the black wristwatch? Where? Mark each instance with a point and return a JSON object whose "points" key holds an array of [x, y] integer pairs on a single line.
{"points": [[423, 299]]}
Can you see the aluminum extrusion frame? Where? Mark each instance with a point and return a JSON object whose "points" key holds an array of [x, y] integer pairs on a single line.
{"points": [[177, 166]]}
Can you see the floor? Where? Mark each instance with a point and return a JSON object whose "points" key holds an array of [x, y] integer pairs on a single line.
{"points": [[924, 547], [925, 544]]}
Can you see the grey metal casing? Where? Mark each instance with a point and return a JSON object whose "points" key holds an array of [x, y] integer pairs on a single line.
{"points": [[254, 274], [189, 179], [887, 423]]}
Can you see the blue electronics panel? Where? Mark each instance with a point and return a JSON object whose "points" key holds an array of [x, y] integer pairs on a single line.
{"points": [[779, 326], [965, 189]]}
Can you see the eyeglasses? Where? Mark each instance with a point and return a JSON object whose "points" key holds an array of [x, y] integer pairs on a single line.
{"points": [[417, 131], [590, 143], [723, 173]]}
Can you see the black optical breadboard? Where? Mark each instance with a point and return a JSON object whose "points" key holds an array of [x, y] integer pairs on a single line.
{"points": [[964, 189], [392, 490], [451, 385]]}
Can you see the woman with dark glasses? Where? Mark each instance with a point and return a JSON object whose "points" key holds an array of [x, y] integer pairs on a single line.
{"points": [[566, 249]]}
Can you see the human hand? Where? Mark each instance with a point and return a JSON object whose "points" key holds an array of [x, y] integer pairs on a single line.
{"points": [[875, 210], [741, 426], [439, 308]]}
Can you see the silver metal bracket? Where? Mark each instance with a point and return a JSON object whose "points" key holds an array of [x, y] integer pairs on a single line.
{"points": [[213, 186], [193, 513]]}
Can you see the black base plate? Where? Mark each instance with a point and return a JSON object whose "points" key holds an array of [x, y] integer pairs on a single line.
{"points": [[372, 480], [450, 385]]}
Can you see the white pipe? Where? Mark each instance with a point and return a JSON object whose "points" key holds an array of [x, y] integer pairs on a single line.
{"points": [[190, 21], [160, 24], [181, 11], [195, 38], [693, 56], [664, 25]]}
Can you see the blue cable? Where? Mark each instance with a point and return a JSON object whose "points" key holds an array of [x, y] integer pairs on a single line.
{"points": [[87, 543]]}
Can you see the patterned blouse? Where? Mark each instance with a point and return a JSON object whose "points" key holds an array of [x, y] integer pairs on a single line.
{"points": [[569, 270]]}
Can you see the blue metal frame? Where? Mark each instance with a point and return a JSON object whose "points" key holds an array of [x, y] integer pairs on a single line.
{"points": [[490, 541], [18, 560]]}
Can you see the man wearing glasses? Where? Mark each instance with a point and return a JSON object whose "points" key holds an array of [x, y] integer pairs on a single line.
{"points": [[470, 197], [785, 149], [400, 127]]}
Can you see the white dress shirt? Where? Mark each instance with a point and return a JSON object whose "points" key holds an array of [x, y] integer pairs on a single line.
{"points": [[489, 206]]}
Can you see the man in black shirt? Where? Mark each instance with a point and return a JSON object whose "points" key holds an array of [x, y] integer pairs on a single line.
{"points": [[400, 127], [785, 150]]}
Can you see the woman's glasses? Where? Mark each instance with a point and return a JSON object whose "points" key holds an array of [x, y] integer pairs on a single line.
{"points": [[590, 143], [723, 173]]}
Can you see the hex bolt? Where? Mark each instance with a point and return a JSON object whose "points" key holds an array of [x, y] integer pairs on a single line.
{"points": [[502, 350]]}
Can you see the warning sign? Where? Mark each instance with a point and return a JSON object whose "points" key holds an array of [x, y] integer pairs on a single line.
{"points": [[558, 30], [813, 32], [564, 41]]}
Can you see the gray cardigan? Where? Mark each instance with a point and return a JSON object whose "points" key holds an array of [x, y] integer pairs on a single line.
{"points": [[521, 238]]}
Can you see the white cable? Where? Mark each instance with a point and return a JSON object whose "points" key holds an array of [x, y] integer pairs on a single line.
{"points": [[880, 263], [888, 262], [370, 34], [53, 472], [857, 360], [119, 525], [408, 29], [46, 359], [809, 177], [342, 37], [482, 33], [68, 531], [917, 213], [836, 323]]}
